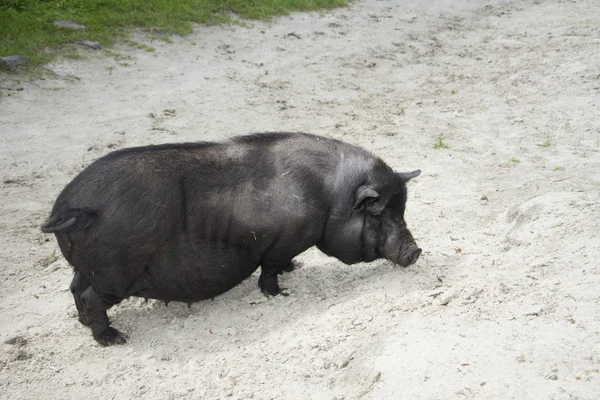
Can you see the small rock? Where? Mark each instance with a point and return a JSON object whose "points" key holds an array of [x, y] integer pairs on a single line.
{"points": [[318, 363], [65, 23], [231, 331], [376, 377], [344, 363], [90, 44], [534, 311], [17, 340], [448, 297], [293, 34], [13, 62], [484, 198], [224, 372], [169, 112], [258, 300], [551, 377], [21, 355]]}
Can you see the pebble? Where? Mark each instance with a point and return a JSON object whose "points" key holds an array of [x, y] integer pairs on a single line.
{"points": [[534, 310], [66, 23], [13, 62], [318, 362], [16, 340], [231, 331], [376, 377], [90, 44], [448, 297]]}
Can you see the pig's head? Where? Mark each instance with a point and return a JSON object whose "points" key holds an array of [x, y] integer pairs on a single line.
{"points": [[384, 233], [375, 227]]}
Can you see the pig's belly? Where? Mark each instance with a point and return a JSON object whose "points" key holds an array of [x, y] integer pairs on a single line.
{"points": [[192, 274]]}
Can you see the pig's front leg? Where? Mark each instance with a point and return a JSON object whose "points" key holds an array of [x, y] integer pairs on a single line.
{"points": [[267, 282]]}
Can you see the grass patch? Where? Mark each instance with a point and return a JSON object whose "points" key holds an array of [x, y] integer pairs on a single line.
{"points": [[440, 143], [26, 26], [50, 259], [515, 160], [547, 143], [558, 169], [138, 45]]}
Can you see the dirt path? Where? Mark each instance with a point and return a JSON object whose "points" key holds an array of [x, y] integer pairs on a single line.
{"points": [[505, 301]]}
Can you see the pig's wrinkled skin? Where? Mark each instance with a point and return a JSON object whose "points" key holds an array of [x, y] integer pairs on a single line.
{"points": [[186, 222]]}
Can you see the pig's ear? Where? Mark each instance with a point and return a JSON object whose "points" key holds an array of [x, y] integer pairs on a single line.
{"points": [[407, 176], [364, 194]]}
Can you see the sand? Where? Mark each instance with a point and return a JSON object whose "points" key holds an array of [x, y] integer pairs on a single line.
{"points": [[504, 302]]}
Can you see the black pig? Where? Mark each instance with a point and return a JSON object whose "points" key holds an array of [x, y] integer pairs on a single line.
{"points": [[186, 222]]}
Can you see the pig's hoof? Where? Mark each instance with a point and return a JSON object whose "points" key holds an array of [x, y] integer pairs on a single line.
{"points": [[110, 336], [268, 285], [270, 290], [275, 291], [281, 291]]}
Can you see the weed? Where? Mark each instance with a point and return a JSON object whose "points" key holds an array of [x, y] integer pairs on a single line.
{"points": [[453, 92], [440, 143], [557, 169], [138, 45], [545, 144], [50, 259], [515, 160]]}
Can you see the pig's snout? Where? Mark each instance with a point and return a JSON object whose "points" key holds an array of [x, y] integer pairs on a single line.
{"points": [[410, 256]]}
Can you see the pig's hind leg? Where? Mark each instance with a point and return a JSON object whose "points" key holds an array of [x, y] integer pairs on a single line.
{"points": [[79, 284], [95, 307]]}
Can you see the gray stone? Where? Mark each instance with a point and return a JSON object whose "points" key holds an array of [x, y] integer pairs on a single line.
{"points": [[448, 297], [533, 310], [13, 62], [65, 23], [90, 44]]}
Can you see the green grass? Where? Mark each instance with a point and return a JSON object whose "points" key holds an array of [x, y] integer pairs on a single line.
{"points": [[558, 169], [26, 26], [547, 143], [515, 160], [440, 143]]}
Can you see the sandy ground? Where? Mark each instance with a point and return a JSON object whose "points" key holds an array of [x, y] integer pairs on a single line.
{"points": [[504, 303]]}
